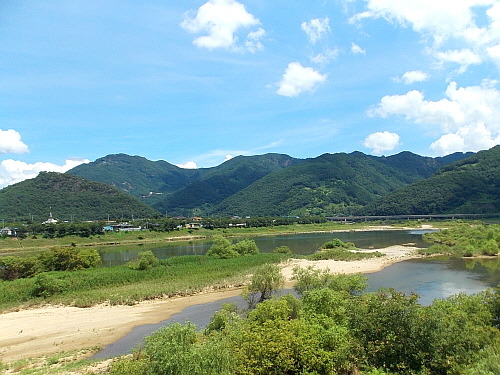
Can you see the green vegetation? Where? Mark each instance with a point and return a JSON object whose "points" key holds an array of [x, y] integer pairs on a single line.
{"points": [[327, 185], [331, 329], [471, 185], [146, 261], [181, 275], [270, 184], [465, 240], [339, 250], [285, 250], [136, 175], [69, 198], [222, 248], [265, 282], [56, 259], [218, 183]]}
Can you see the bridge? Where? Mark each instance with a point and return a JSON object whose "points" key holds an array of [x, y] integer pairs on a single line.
{"points": [[411, 217]]}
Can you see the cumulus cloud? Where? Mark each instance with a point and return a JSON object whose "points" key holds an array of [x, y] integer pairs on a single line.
{"points": [[13, 171], [357, 49], [10, 142], [414, 76], [381, 141], [446, 21], [298, 79], [316, 28], [188, 165], [221, 20], [471, 114]]}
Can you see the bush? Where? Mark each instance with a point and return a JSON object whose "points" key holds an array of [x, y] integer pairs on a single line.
{"points": [[311, 278], [285, 250], [222, 248], [338, 244], [146, 261], [46, 286], [12, 268], [246, 247]]}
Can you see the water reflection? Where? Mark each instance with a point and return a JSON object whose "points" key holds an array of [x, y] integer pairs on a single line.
{"points": [[438, 278]]}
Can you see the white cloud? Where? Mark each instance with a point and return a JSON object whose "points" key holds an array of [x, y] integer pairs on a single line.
{"points": [[381, 141], [13, 171], [470, 113], [253, 43], [446, 21], [357, 49], [188, 165], [464, 58], [468, 138], [228, 157], [298, 79], [442, 19], [316, 28], [220, 20], [10, 142], [325, 57], [414, 76]]}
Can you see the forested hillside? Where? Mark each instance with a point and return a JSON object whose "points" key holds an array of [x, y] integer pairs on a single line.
{"points": [[218, 183], [136, 175], [69, 198], [269, 184], [471, 185], [329, 184]]}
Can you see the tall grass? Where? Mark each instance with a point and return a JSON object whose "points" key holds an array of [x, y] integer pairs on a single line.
{"points": [[181, 275]]}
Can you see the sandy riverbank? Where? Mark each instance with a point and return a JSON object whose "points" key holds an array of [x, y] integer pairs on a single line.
{"points": [[52, 329]]}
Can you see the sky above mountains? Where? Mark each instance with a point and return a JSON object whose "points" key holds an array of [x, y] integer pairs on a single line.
{"points": [[198, 82]]}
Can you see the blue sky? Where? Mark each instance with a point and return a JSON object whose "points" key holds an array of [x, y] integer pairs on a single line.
{"points": [[197, 82]]}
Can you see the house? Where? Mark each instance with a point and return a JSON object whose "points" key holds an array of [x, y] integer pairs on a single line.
{"points": [[194, 225], [8, 232]]}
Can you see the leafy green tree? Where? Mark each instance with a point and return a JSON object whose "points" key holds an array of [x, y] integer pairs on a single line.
{"points": [[266, 281], [246, 247], [222, 248]]}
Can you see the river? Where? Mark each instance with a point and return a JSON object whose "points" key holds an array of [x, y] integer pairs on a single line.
{"points": [[303, 243]]}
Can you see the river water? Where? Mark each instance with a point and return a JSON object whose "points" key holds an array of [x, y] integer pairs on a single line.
{"points": [[429, 278], [305, 243]]}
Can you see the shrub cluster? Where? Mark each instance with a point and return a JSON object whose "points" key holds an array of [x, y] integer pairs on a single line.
{"points": [[222, 248], [336, 249], [56, 259], [465, 240], [146, 261]]}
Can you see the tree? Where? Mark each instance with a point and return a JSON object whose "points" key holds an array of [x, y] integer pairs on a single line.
{"points": [[266, 281], [222, 248]]}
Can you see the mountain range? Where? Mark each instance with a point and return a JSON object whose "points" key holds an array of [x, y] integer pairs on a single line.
{"points": [[267, 185]]}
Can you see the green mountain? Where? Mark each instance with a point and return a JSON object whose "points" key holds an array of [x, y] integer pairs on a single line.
{"points": [[329, 184], [137, 176], [68, 198], [218, 183], [471, 185]]}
